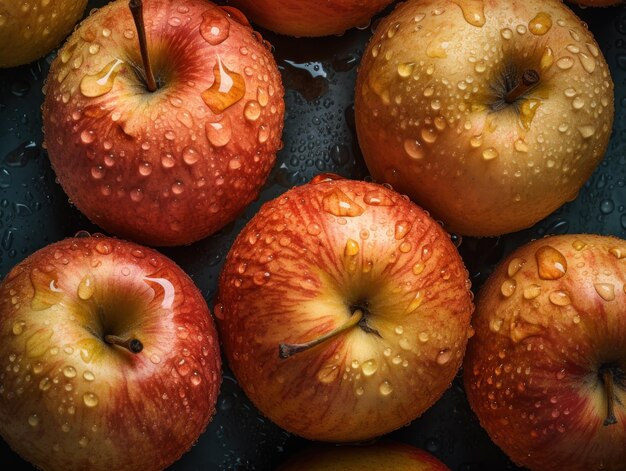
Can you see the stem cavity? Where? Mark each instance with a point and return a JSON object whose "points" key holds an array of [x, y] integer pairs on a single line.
{"points": [[131, 344], [285, 350], [529, 80], [136, 8]]}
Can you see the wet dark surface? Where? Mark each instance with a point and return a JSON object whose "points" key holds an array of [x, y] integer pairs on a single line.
{"points": [[319, 137]]}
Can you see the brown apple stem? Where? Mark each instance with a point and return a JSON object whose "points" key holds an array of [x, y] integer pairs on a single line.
{"points": [[285, 350], [130, 344], [136, 8], [530, 78], [607, 377]]}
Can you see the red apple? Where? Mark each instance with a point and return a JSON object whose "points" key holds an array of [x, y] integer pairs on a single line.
{"points": [[491, 114], [386, 455], [546, 371], [29, 30], [173, 165], [344, 310], [310, 17], [109, 358]]}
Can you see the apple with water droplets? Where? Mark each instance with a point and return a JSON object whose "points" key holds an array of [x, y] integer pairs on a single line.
{"points": [[376, 457], [31, 29], [163, 124], [546, 370], [109, 358], [310, 17], [491, 114], [344, 310]]}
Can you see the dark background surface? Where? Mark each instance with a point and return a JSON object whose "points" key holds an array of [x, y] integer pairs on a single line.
{"points": [[319, 136]]}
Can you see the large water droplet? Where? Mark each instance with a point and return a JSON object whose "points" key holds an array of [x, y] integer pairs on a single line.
{"points": [[339, 204], [101, 83], [328, 373], [551, 263], [90, 399], [385, 388], [86, 288], [540, 24], [605, 290], [508, 288], [473, 11], [215, 27], [369, 367], [228, 88]]}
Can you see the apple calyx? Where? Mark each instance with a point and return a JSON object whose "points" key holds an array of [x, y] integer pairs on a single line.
{"points": [[285, 350], [136, 8], [131, 344], [530, 78], [608, 376]]}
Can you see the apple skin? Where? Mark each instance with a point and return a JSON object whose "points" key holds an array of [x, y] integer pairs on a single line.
{"points": [[425, 99], [309, 17], [301, 267], [164, 168], [385, 455], [29, 30], [531, 370], [70, 401]]}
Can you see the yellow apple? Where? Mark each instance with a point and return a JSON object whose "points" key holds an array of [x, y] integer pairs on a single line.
{"points": [[30, 29]]}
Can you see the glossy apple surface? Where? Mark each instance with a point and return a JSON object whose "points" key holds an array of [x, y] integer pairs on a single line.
{"points": [[71, 400], [323, 255], [31, 29], [549, 352], [172, 166], [310, 17], [386, 455], [433, 118]]}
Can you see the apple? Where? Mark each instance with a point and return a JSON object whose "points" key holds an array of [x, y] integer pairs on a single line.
{"points": [[168, 145], [385, 455], [546, 370], [343, 310], [490, 114], [109, 358], [29, 30], [310, 17]]}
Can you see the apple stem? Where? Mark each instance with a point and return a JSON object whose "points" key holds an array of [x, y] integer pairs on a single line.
{"points": [[132, 345], [530, 78], [285, 350], [607, 377], [136, 8]]}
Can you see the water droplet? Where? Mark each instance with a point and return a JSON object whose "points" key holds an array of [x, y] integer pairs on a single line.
{"points": [[578, 103], [228, 88], [617, 252], [89, 376], [551, 263], [33, 420], [219, 133], [547, 59], [418, 268], [540, 24], [605, 290], [369, 367], [252, 110], [508, 288], [429, 135], [313, 229], [405, 69], [101, 83], [87, 136], [196, 379], [18, 327], [90, 399], [337, 203], [436, 49], [351, 248], [515, 266], [532, 291], [385, 388], [86, 288], [586, 131], [473, 11], [528, 109], [413, 148], [69, 372], [444, 356], [559, 298], [377, 198], [565, 63], [588, 63], [416, 302], [328, 373], [490, 153], [215, 27], [578, 245]]}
